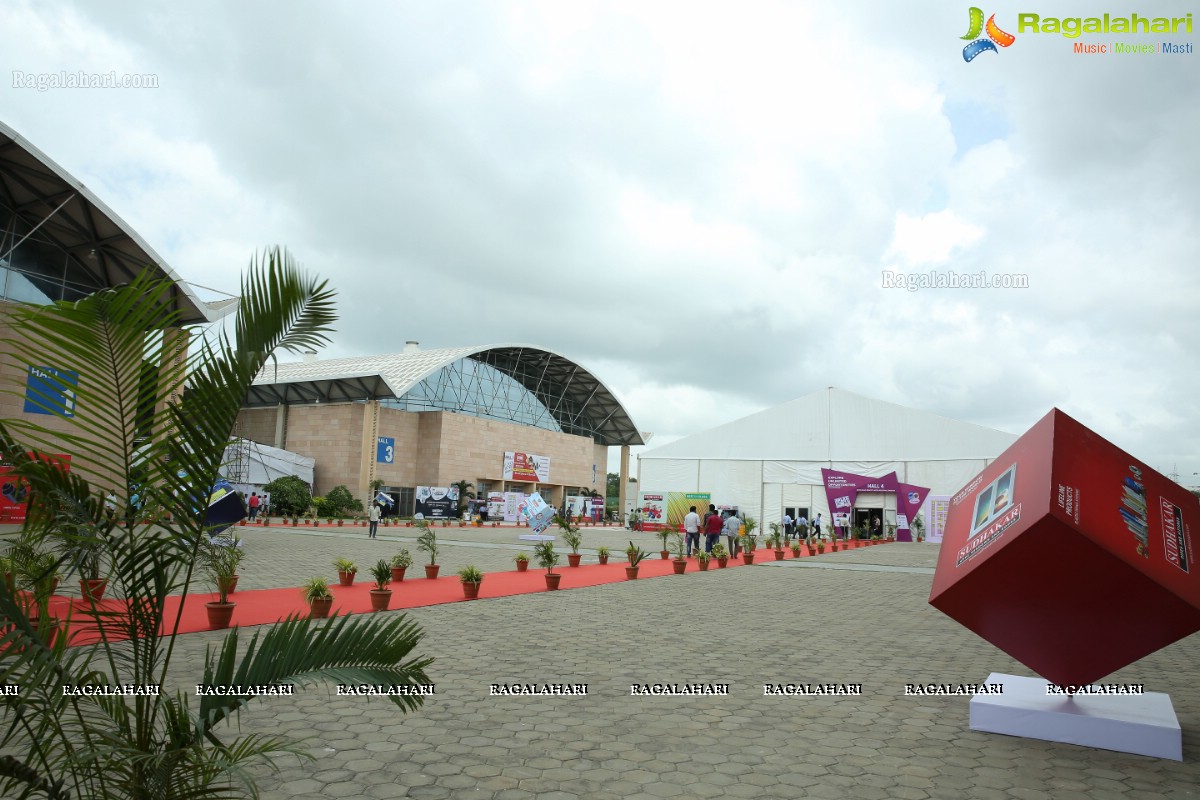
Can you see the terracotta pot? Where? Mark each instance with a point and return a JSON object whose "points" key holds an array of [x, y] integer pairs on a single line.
{"points": [[748, 557], [779, 555], [380, 599], [679, 565], [703, 565], [552, 579], [229, 585], [319, 609], [341, 523], [470, 589], [92, 589], [522, 566], [294, 523], [603, 559], [398, 574], [723, 562], [666, 554], [219, 614], [346, 578], [573, 559], [631, 573], [431, 570], [796, 552]]}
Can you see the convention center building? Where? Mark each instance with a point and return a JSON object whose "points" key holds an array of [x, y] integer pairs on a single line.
{"points": [[58, 241], [509, 419]]}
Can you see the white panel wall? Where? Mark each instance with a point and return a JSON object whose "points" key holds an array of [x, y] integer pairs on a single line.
{"points": [[667, 475], [792, 471], [734, 483], [944, 477]]}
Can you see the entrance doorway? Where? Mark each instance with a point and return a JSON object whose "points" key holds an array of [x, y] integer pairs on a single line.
{"points": [[863, 518]]}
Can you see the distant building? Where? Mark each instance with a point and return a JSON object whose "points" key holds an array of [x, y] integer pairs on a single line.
{"points": [[770, 462], [435, 417]]}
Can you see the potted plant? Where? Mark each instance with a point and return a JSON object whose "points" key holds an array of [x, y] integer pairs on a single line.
{"points": [[319, 598], [400, 562], [346, 570], [547, 559], [664, 533], [471, 577], [522, 562], [221, 563], [679, 563], [775, 541], [749, 545], [602, 553], [702, 560], [635, 555], [427, 543], [381, 595], [918, 528], [721, 555], [795, 548], [573, 538], [820, 545]]}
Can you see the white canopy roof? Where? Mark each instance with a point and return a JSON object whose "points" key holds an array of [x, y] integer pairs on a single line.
{"points": [[253, 463], [836, 425]]}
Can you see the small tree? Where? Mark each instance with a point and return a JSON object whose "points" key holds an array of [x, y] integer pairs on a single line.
{"points": [[341, 501], [289, 496], [464, 494]]}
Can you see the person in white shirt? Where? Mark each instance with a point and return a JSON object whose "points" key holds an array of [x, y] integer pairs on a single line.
{"points": [[787, 526], [691, 528]]}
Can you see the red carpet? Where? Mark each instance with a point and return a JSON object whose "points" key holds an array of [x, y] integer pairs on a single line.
{"points": [[266, 606]]}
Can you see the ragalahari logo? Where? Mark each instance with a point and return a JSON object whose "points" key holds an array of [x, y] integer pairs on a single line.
{"points": [[995, 36]]}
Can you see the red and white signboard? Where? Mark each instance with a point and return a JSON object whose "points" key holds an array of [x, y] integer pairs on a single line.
{"points": [[526, 467], [1070, 555]]}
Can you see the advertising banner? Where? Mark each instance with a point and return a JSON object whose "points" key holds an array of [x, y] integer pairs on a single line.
{"points": [[495, 506], [14, 492], [436, 502], [512, 501], [526, 467], [536, 512], [678, 504], [652, 509], [939, 507], [1071, 555]]}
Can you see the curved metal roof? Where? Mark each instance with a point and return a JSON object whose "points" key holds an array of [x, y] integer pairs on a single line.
{"points": [[577, 399], [64, 211]]}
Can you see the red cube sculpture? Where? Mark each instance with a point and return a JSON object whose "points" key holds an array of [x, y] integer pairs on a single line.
{"points": [[1070, 555]]}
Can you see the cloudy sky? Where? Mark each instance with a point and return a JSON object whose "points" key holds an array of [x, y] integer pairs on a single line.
{"points": [[698, 201]]}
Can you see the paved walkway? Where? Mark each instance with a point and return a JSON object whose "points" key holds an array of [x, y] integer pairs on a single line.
{"points": [[745, 627]]}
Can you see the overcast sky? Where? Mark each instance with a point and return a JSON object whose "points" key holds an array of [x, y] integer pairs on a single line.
{"points": [[697, 201]]}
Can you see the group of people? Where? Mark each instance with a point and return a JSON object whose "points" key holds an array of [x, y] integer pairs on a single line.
{"points": [[713, 525], [800, 527]]}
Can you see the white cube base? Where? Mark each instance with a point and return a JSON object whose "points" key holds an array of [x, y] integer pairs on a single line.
{"points": [[1144, 724]]}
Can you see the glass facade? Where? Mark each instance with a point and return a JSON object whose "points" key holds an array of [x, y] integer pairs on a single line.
{"points": [[470, 387], [37, 271]]}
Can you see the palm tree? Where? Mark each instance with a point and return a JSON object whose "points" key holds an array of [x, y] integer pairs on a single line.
{"points": [[464, 494], [156, 747]]}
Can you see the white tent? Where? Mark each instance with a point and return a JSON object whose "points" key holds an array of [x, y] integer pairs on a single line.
{"points": [[772, 460], [250, 465]]}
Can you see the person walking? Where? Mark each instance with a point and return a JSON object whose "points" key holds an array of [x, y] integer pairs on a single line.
{"points": [[787, 526], [372, 520], [712, 530], [254, 503], [691, 529], [733, 525], [801, 526]]}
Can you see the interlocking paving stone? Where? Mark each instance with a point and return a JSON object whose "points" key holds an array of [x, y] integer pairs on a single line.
{"points": [[745, 626]]}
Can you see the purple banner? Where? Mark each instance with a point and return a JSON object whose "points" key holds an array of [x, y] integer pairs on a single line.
{"points": [[842, 488]]}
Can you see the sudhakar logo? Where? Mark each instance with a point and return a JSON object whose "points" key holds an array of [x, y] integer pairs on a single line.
{"points": [[995, 36]]}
